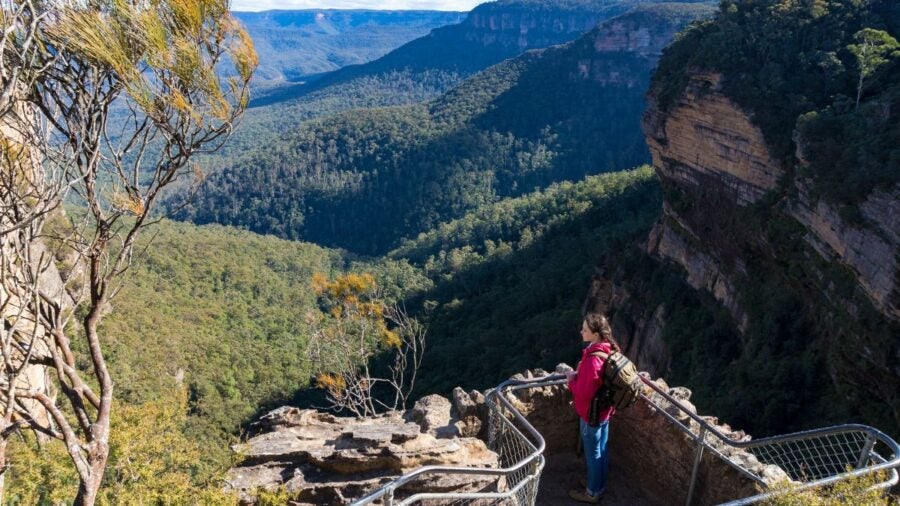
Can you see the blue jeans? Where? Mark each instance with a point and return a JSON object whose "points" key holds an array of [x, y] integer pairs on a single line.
{"points": [[596, 455]]}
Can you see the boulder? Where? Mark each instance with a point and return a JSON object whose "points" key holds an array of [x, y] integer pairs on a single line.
{"points": [[471, 413], [430, 412], [325, 459]]}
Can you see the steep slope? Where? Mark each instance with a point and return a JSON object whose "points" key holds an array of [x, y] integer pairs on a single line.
{"points": [[363, 180], [780, 204], [221, 310]]}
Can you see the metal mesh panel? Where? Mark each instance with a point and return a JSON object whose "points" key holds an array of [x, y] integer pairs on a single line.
{"points": [[512, 447], [816, 458]]}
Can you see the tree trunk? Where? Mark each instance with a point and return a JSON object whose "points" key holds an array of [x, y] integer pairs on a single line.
{"points": [[98, 448], [3, 442], [859, 90], [89, 487]]}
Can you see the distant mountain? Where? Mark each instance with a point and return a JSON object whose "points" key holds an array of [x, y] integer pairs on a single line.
{"points": [[365, 179], [420, 70], [298, 44], [491, 33]]}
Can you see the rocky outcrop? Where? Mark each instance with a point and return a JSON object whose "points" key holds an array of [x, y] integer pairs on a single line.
{"points": [[706, 134], [324, 459]]}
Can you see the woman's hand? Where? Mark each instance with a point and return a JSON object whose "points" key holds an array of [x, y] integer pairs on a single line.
{"points": [[570, 375]]}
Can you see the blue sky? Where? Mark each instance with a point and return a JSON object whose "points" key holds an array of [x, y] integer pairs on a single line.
{"points": [[441, 5]]}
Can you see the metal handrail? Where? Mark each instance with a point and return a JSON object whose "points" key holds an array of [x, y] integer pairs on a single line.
{"points": [[388, 490], [706, 427], [873, 436]]}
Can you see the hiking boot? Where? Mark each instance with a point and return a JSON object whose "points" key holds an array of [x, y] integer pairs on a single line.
{"points": [[583, 483], [582, 496]]}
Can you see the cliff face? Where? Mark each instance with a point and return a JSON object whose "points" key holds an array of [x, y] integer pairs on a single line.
{"points": [[706, 137], [523, 30], [870, 251], [25, 266], [735, 219], [705, 140], [640, 35]]}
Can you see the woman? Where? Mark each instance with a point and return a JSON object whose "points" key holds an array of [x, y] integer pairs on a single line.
{"points": [[583, 383]]}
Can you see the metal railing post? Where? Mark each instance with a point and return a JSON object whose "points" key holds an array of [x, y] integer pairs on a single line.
{"points": [[389, 499], [866, 450], [701, 444]]}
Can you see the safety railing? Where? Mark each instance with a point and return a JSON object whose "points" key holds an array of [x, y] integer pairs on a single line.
{"points": [[518, 444], [813, 458]]}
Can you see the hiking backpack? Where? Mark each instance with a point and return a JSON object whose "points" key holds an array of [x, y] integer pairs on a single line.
{"points": [[621, 384]]}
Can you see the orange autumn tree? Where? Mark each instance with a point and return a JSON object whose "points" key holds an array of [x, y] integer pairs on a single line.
{"points": [[355, 328]]}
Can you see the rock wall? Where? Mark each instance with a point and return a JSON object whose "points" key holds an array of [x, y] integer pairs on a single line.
{"points": [[647, 448], [870, 251], [642, 34], [706, 134], [734, 217], [704, 143], [523, 29], [641, 334]]}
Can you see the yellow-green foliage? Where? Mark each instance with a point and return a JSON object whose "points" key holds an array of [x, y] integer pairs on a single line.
{"points": [[164, 52], [278, 497], [151, 462], [227, 309], [354, 302], [856, 491], [352, 329]]}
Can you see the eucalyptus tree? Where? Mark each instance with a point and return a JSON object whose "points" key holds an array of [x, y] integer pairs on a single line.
{"points": [[873, 49], [120, 96]]}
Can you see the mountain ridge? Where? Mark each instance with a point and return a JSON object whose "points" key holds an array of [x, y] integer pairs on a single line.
{"points": [[488, 138]]}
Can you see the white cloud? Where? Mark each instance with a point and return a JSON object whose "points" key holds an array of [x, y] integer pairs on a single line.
{"points": [[436, 5]]}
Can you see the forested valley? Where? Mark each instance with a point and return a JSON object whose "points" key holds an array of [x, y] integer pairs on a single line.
{"points": [[362, 180], [481, 178]]}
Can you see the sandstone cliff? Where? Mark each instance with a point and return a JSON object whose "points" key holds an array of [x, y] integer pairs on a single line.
{"points": [[744, 228], [642, 33], [521, 25], [27, 264]]}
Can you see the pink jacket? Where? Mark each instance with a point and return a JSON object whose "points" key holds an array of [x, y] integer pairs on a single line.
{"points": [[588, 379]]}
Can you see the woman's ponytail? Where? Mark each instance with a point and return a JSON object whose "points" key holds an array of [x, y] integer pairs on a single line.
{"points": [[599, 324]]}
